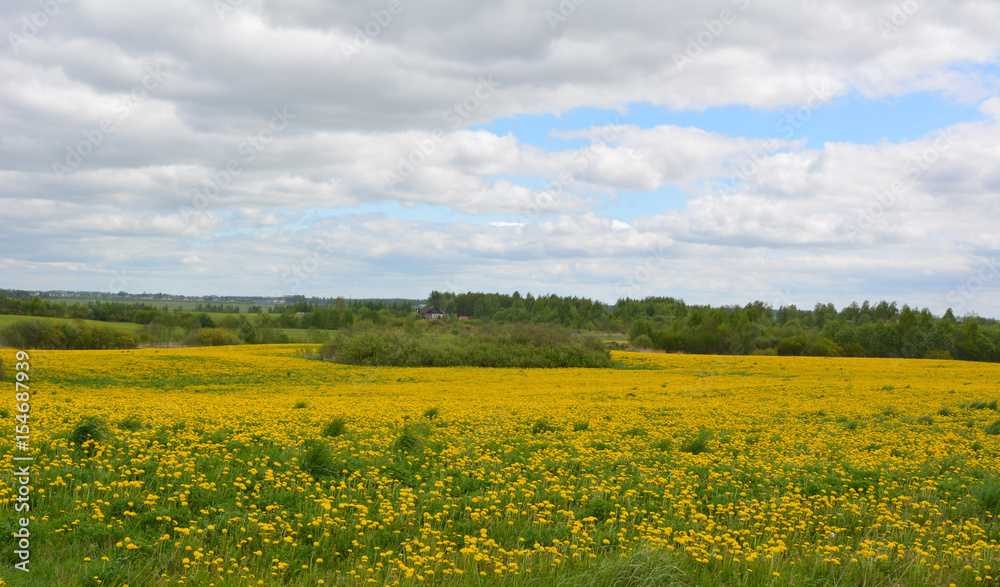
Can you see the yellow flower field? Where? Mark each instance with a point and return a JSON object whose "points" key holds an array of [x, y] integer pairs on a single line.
{"points": [[218, 466]]}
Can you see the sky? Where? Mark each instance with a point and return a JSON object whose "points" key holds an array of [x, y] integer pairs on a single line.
{"points": [[718, 152]]}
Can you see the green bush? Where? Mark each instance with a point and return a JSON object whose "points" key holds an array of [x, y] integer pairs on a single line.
{"points": [[505, 345], [642, 342], [541, 426], [698, 444], [317, 460], [131, 423], [89, 428], [335, 427], [216, 337]]}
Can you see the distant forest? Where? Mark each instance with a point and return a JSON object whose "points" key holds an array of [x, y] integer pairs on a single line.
{"points": [[656, 323]]}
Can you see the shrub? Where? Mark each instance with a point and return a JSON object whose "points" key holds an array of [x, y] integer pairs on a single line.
{"points": [[542, 426], [944, 412], [217, 337], [642, 342], [406, 442], [581, 426], [666, 445], [317, 460], [300, 405], [505, 345], [89, 428], [994, 428], [335, 427], [131, 423], [698, 444]]}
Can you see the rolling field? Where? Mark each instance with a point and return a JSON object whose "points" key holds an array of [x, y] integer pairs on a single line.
{"points": [[254, 466]]}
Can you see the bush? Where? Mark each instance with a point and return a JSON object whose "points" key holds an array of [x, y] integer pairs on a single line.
{"points": [[698, 444], [642, 342], [89, 428], [217, 337], [666, 445], [409, 440], [541, 426], [35, 334], [506, 345], [335, 427], [994, 428], [317, 460], [131, 423], [792, 346]]}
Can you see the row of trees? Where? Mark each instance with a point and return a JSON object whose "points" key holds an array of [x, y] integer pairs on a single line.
{"points": [[865, 330], [882, 329]]}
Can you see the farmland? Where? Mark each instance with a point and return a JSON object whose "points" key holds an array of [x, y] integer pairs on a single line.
{"points": [[248, 465]]}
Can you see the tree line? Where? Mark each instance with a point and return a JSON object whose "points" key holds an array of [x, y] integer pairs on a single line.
{"points": [[882, 329]]}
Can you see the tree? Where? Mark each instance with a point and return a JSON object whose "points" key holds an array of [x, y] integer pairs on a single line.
{"points": [[247, 333]]}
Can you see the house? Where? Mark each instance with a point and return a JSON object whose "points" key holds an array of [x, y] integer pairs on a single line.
{"points": [[430, 312]]}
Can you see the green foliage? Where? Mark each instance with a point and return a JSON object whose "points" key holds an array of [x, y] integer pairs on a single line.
{"points": [[213, 337], [89, 428], [994, 428], [300, 405], [581, 426], [248, 333], [410, 439], [131, 423], [541, 426], [506, 345], [642, 342], [317, 460], [698, 444], [431, 413], [35, 334], [665, 445], [335, 427]]}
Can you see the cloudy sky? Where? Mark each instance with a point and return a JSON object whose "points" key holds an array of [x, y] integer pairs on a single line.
{"points": [[720, 152]]}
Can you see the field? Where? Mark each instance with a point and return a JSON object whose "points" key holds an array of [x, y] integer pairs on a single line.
{"points": [[254, 466]]}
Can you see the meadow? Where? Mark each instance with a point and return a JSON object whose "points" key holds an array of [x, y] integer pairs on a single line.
{"points": [[252, 465]]}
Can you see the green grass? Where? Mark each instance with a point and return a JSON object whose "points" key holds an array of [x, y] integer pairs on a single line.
{"points": [[7, 320]]}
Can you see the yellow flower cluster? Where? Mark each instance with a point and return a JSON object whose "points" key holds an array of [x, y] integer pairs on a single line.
{"points": [[217, 466]]}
